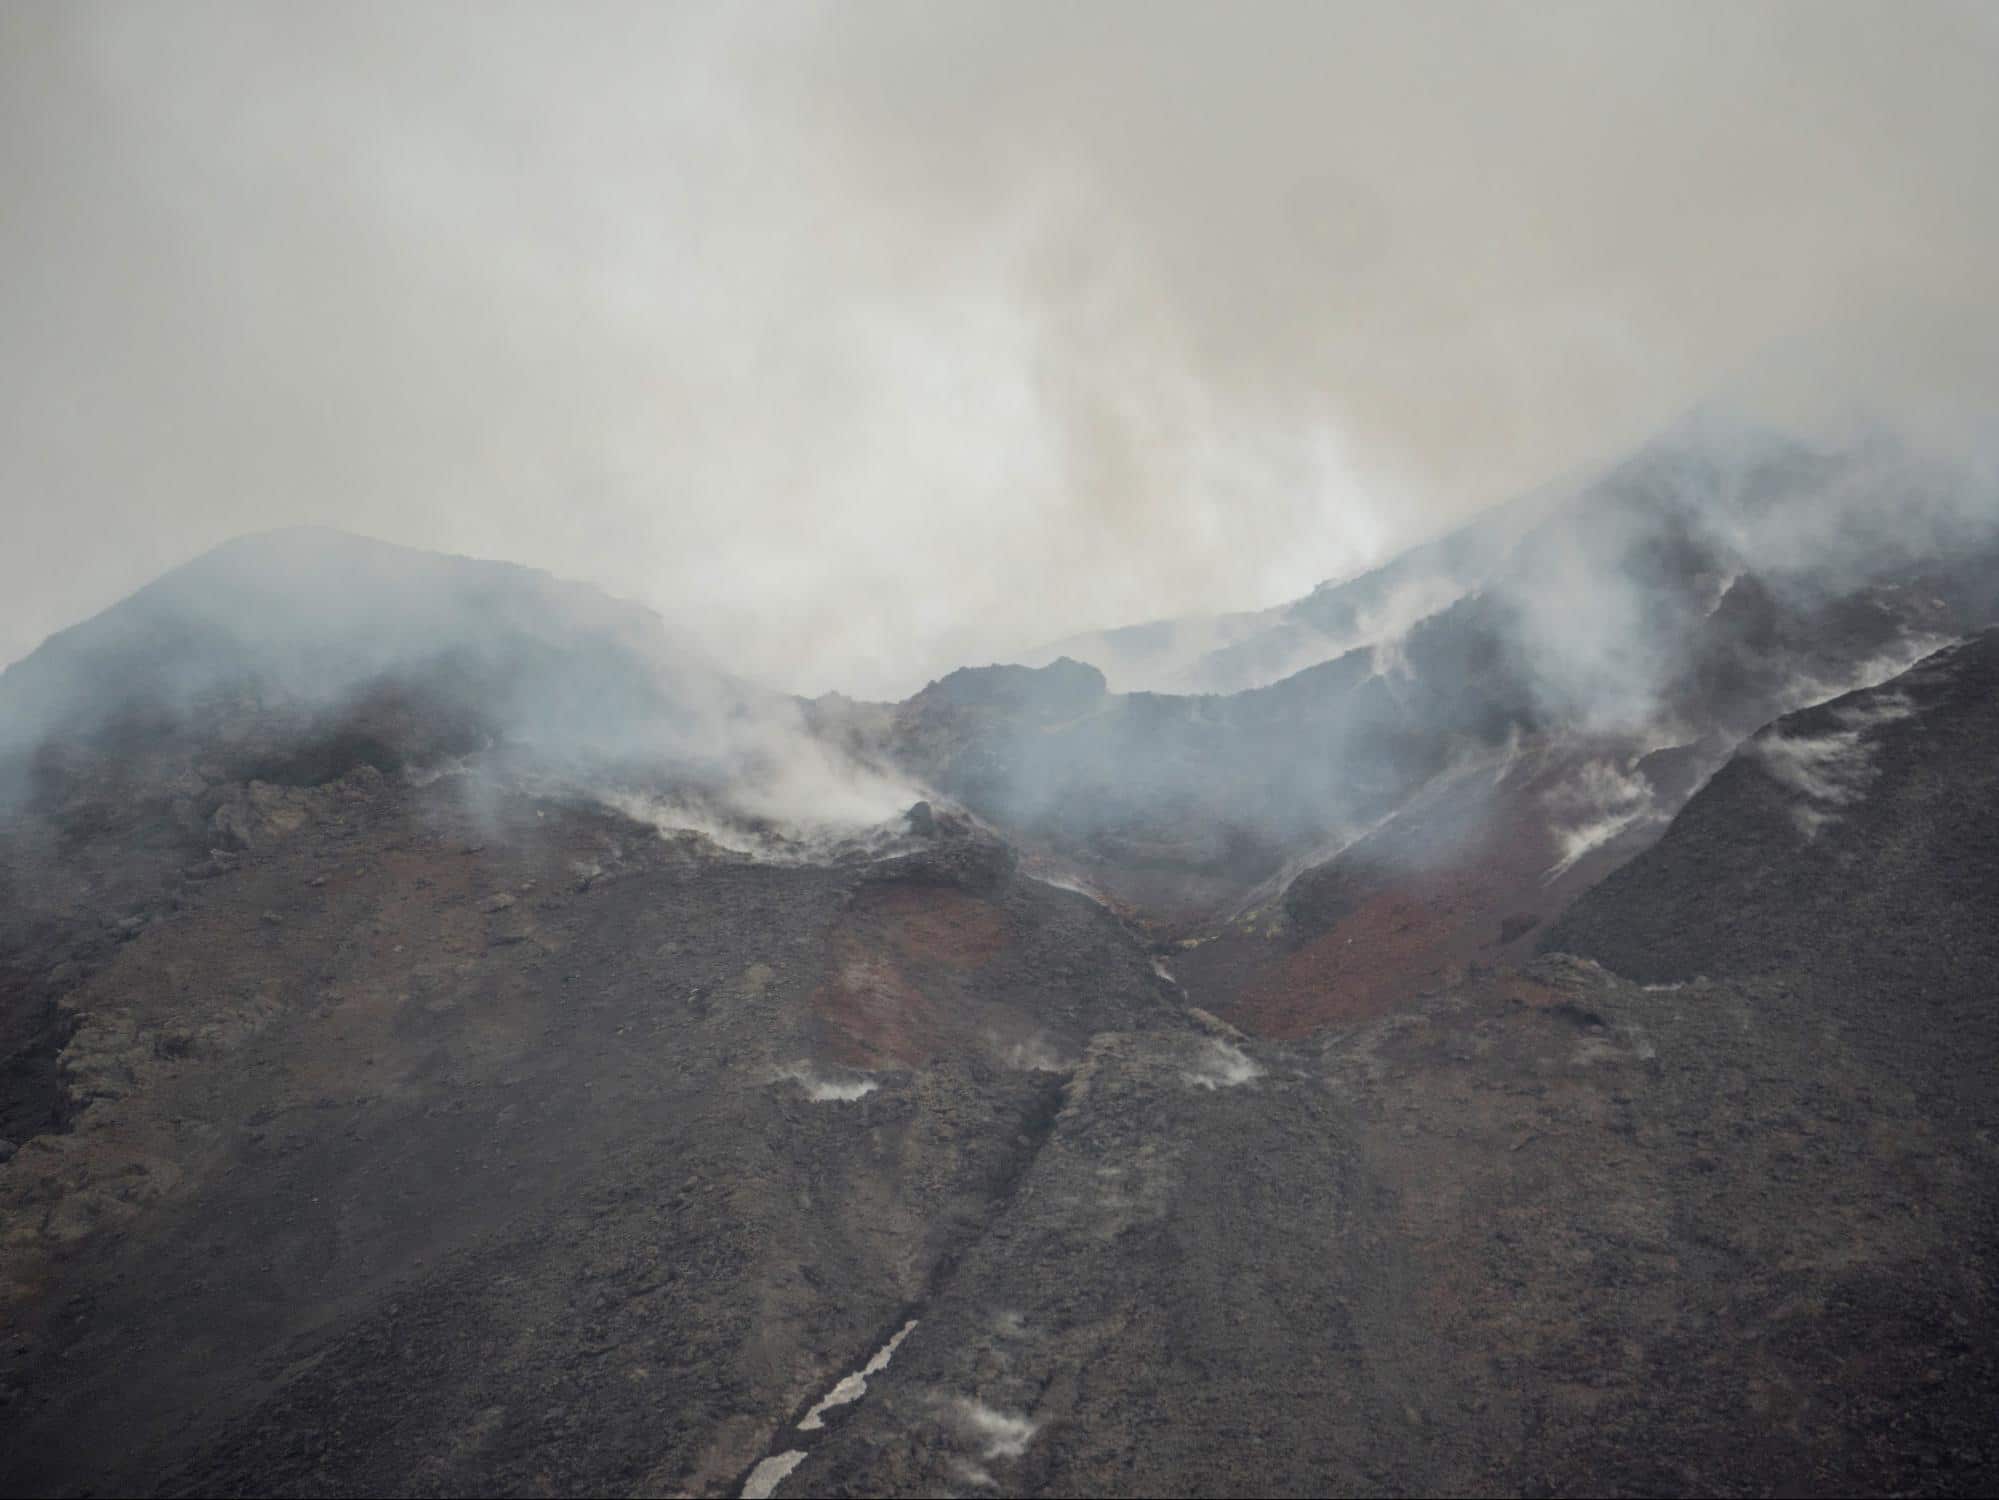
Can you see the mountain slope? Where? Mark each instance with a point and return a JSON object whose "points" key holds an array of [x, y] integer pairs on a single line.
{"points": [[1856, 836], [462, 1138], [1549, 1230], [458, 1045], [1435, 798], [1234, 652]]}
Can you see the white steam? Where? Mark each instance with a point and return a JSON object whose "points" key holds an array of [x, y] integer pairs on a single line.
{"points": [[1599, 802], [1829, 772], [1804, 691], [867, 340], [1222, 1066], [1001, 1435], [820, 1088], [1035, 1055]]}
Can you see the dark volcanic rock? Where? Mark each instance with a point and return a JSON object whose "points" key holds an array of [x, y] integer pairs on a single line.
{"points": [[399, 1109], [1858, 838], [1678, 600], [1551, 1230], [361, 1201]]}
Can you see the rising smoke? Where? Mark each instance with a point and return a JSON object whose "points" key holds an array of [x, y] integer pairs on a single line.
{"points": [[864, 342], [293, 657], [858, 345]]}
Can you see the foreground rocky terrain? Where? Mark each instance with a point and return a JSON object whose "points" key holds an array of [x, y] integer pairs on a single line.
{"points": [[407, 1098], [1720, 1224], [454, 1043]]}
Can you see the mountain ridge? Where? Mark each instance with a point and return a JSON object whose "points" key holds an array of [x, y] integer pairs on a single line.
{"points": [[487, 1051]]}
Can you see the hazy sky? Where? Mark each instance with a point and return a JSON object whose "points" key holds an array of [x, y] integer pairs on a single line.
{"points": [[867, 340]]}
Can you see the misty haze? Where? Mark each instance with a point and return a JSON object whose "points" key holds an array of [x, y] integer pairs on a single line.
{"points": [[999, 750]]}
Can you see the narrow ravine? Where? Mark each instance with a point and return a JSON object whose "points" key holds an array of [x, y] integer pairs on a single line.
{"points": [[762, 1481]]}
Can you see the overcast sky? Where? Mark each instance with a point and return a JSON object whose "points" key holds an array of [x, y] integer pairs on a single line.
{"points": [[867, 340]]}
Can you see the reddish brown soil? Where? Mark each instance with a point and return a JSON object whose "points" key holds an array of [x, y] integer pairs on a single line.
{"points": [[873, 1015], [898, 969], [1399, 943], [930, 924], [1406, 911]]}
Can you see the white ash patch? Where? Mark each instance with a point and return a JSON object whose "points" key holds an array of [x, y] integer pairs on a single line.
{"points": [[852, 1387], [770, 1473]]}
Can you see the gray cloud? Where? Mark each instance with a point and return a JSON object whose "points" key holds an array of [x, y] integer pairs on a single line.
{"points": [[865, 341]]}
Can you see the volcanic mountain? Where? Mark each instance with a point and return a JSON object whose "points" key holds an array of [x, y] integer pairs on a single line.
{"points": [[1521, 1022]]}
